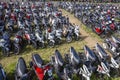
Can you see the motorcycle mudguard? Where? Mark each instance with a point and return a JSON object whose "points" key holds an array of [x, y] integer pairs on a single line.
{"points": [[40, 72]]}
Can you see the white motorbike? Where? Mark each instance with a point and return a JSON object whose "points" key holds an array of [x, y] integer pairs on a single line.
{"points": [[51, 41], [76, 33], [58, 36], [40, 38]]}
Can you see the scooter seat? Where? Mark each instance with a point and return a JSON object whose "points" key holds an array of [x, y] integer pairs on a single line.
{"points": [[101, 50], [59, 58], [38, 60], [115, 39], [90, 53], [21, 67], [2, 76], [75, 57]]}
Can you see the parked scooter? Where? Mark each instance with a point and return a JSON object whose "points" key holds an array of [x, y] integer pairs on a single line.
{"points": [[18, 42], [43, 72], [62, 70], [2, 73], [2, 27], [76, 33], [69, 35], [103, 67], [40, 38], [30, 37], [58, 36], [6, 44], [74, 59], [11, 25], [50, 39], [21, 71]]}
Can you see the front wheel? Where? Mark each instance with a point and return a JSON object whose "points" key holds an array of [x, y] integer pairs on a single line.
{"points": [[34, 44], [58, 41], [5, 52], [69, 39], [42, 45], [51, 43], [17, 49], [76, 37]]}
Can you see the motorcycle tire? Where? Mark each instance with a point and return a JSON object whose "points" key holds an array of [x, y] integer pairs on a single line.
{"points": [[5, 52], [76, 37], [51, 44], [42, 45], [69, 39], [58, 41], [34, 44], [17, 49]]}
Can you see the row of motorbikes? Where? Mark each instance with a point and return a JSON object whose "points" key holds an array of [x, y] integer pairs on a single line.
{"points": [[36, 23], [101, 18], [84, 65]]}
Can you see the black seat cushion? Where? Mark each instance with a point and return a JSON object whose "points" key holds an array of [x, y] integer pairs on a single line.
{"points": [[21, 67], [38, 60], [91, 55], [59, 58], [75, 56]]}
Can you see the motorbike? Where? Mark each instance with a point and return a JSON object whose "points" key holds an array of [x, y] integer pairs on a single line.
{"points": [[21, 24], [98, 29], [112, 47], [2, 73], [76, 33], [18, 40], [43, 72], [11, 25], [50, 38], [29, 25], [103, 66], [74, 59], [40, 38], [62, 70], [30, 37], [69, 35], [89, 63], [2, 27], [21, 70], [5, 43], [58, 36]]}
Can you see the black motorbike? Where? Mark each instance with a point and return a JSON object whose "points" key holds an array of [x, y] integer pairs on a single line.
{"points": [[2, 73], [62, 70], [21, 71]]}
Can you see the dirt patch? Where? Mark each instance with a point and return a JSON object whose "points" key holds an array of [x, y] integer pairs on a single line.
{"points": [[90, 41]]}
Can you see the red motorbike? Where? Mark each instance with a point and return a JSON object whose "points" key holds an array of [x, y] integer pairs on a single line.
{"points": [[43, 72]]}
